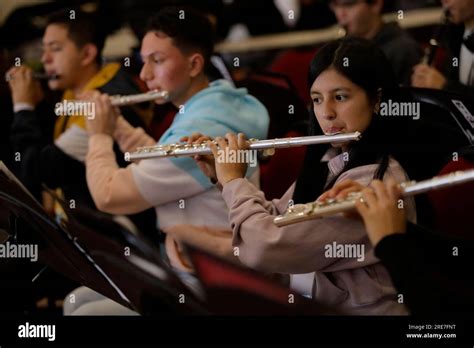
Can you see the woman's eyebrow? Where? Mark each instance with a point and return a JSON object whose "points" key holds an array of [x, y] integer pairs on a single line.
{"points": [[337, 89], [341, 89]]}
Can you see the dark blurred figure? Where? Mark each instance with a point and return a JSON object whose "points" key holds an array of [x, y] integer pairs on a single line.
{"points": [[406, 5], [6, 117], [458, 75], [260, 17], [314, 14], [363, 19]]}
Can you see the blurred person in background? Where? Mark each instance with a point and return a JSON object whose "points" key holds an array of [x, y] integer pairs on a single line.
{"points": [[363, 19], [458, 75]]}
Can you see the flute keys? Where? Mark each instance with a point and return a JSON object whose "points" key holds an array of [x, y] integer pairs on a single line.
{"points": [[300, 209], [406, 184], [167, 149], [268, 152], [144, 149], [268, 145], [326, 202]]}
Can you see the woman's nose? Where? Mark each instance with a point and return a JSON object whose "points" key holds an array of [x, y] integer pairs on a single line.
{"points": [[327, 110]]}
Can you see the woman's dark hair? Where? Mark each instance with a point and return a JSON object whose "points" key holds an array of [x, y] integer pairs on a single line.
{"points": [[365, 65]]}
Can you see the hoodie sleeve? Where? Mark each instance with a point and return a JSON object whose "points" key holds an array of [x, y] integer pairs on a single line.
{"points": [[112, 188], [148, 183], [129, 138]]}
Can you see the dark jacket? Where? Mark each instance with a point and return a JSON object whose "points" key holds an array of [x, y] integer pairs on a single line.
{"points": [[452, 41], [433, 272], [402, 51]]}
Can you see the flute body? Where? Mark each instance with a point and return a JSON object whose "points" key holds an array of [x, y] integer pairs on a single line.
{"points": [[36, 75], [122, 100], [180, 150], [316, 210]]}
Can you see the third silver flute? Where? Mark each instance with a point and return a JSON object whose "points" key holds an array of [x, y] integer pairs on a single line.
{"points": [[317, 209]]}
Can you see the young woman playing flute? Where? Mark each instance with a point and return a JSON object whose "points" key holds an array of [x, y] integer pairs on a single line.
{"points": [[348, 79]]}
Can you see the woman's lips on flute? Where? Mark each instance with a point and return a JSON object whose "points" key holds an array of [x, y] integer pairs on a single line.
{"points": [[333, 130]]}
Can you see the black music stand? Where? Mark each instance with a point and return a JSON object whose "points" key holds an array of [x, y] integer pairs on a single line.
{"points": [[56, 246], [131, 262]]}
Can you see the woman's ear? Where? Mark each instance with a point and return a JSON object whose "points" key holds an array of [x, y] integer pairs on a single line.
{"points": [[89, 54], [196, 64]]}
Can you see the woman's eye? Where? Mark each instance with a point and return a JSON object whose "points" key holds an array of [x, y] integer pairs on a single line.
{"points": [[157, 60], [316, 100], [341, 97]]}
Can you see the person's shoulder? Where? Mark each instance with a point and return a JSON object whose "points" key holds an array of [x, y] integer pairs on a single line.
{"points": [[122, 83], [361, 174], [396, 170], [218, 89], [365, 173], [399, 37], [222, 96]]}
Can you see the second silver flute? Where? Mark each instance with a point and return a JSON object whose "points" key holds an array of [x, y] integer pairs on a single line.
{"points": [[180, 150], [316, 210], [122, 100]]}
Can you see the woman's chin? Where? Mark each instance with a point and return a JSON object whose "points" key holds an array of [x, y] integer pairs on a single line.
{"points": [[338, 145]]}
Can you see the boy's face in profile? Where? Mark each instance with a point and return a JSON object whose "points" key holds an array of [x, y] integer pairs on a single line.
{"points": [[61, 56], [165, 67], [354, 16], [460, 11]]}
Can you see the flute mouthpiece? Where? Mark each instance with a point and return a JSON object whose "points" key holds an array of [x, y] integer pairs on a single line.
{"points": [[53, 77], [335, 133]]}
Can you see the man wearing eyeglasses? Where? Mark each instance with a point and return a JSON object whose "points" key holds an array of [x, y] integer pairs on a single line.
{"points": [[363, 19]]}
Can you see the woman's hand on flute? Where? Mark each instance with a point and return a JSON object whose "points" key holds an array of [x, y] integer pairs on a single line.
{"points": [[226, 155], [380, 210], [341, 190]]}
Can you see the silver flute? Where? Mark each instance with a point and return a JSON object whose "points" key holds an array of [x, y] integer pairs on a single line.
{"points": [[36, 75], [183, 149], [122, 100], [316, 210]]}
